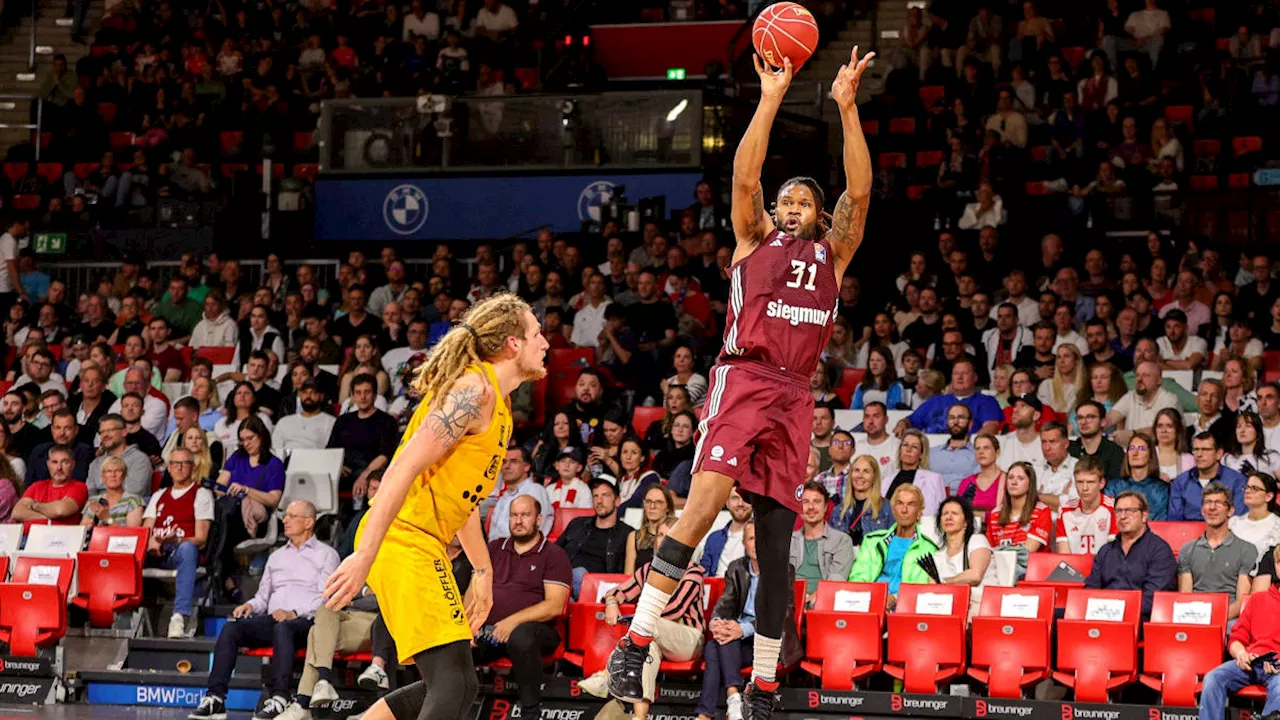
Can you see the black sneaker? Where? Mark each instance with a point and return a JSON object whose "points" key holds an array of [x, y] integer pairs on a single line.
{"points": [[211, 708], [271, 708], [626, 668], [758, 704]]}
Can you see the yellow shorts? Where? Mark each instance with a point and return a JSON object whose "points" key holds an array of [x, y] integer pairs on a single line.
{"points": [[412, 577]]}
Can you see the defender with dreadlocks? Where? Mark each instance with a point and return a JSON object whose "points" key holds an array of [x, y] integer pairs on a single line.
{"points": [[445, 466], [785, 282]]}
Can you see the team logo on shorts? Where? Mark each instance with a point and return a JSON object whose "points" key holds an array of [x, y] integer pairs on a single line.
{"points": [[717, 452], [444, 574], [405, 210]]}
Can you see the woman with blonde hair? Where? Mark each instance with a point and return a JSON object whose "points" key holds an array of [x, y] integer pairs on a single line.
{"points": [[1001, 379], [206, 464], [862, 508], [929, 383], [114, 505], [1068, 378], [1239, 380], [659, 510], [205, 392], [913, 468]]}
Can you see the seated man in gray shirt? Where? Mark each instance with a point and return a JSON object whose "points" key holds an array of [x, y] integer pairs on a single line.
{"points": [[1218, 561]]}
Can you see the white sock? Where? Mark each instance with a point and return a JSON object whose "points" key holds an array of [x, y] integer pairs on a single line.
{"points": [[652, 602], [764, 663]]}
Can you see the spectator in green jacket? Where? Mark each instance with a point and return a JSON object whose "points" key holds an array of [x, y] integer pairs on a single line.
{"points": [[892, 556]]}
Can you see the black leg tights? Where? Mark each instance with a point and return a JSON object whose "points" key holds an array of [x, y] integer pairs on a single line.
{"points": [[774, 523], [446, 690]]}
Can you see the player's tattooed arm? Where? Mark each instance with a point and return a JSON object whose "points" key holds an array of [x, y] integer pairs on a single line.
{"points": [[848, 222], [462, 406]]}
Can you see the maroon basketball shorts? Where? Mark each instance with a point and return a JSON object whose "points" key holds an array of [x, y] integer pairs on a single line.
{"points": [[755, 428]]}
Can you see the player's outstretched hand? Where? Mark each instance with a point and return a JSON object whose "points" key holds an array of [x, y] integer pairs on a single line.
{"points": [[845, 88], [479, 600], [773, 83], [347, 581]]}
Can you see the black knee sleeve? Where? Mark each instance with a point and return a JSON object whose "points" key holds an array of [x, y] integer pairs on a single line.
{"points": [[672, 558], [447, 689], [774, 523]]}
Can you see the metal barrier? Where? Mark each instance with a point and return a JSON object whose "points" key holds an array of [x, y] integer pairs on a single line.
{"points": [[37, 101]]}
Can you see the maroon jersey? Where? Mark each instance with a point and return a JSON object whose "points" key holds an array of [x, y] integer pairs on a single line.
{"points": [[782, 303]]}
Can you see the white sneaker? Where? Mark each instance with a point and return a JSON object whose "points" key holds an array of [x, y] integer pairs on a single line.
{"points": [[373, 678], [294, 712], [735, 707], [323, 694], [596, 686], [177, 626]]}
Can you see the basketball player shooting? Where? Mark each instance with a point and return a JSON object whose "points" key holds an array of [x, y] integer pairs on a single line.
{"points": [[785, 282]]}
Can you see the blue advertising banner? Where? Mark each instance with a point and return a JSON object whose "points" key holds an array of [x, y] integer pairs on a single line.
{"points": [[478, 207], [165, 696]]}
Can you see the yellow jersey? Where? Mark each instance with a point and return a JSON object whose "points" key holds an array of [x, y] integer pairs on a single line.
{"points": [[442, 498]]}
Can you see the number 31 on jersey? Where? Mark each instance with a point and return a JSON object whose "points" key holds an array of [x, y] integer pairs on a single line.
{"points": [[798, 269]]}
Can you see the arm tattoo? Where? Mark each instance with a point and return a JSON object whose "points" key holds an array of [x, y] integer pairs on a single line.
{"points": [[847, 223], [757, 205], [460, 408]]}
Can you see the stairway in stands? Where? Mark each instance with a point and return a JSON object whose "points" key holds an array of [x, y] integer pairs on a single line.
{"points": [[53, 36]]}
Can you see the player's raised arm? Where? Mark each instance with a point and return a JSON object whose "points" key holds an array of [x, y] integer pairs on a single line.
{"points": [[465, 409], [849, 219], [751, 223]]}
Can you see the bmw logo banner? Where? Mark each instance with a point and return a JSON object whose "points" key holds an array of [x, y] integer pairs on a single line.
{"points": [[480, 207]]}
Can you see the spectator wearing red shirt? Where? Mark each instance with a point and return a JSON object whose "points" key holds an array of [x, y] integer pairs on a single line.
{"points": [[163, 354], [1021, 383], [1022, 521], [344, 55], [59, 500], [1090, 522], [693, 310]]}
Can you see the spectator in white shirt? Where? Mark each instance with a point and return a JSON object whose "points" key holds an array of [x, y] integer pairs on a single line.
{"points": [[588, 321], [422, 23], [217, 328], [988, 211], [517, 481], [1148, 28], [1007, 121], [308, 429], [396, 360], [568, 490], [261, 337], [1023, 444], [1260, 524], [1239, 342], [1137, 408], [1055, 474], [1178, 350], [495, 21], [1089, 522]]}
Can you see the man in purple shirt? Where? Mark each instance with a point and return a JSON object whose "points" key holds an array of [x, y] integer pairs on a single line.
{"points": [[278, 616]]}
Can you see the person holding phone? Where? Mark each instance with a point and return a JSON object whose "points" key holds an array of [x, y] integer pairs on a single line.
{"points": [[1253, 644]]}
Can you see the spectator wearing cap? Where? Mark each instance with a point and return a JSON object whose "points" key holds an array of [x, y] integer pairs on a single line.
{"points": [[1137, 559], [1178, 349], [1186, 491], [568, 490], [216, 327], [596, 543], [819, 551], [1023, 443], [931, 417], [517, 481], [310, 427]]}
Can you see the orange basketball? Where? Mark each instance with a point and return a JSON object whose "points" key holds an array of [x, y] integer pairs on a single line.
{"points": [[785, 30]]}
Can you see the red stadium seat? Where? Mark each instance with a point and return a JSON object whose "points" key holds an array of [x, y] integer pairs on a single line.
{"points": [[277, 170], [586, 608], [1203, 148], [1037, 187], [217, 355], [16, 171], [931, 95], [1203, 15], [107, 111], [1041, 565], [1182, 114], [28, 201], [902, 126], [1011, 648], [301, 142], [83, 169], [849, 384], [1040, 153], [50, 172], [1177, 533], [111, 538], [1239, 181], [230, 170], [892, 160], [109, 582], [844, 646], [306, 171], [1098, 642], [563, 517], [1204, 183], [644, 416], [570, 357], [4, 568], [1073, 55], [1223, 44], [927, 636], [31, 617], [56, 351], [1245, 145], [1272, 359], [928, 158], [120, 140], [871, 128], [713, 588], [917, 192], [527, 77], [42, 570], [229, 142], [1182, 647]]}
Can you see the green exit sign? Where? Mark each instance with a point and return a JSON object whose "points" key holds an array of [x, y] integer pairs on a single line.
{"points": [[675, 73], [51, 243]]}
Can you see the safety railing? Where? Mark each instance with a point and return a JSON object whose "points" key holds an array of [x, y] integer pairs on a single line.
{"points": [[7, 102]]}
